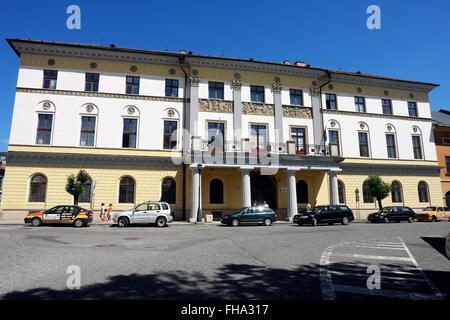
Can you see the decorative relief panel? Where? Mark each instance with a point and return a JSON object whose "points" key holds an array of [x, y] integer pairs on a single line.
{"points": [[206, 105], [260, 109], [296, 112]]}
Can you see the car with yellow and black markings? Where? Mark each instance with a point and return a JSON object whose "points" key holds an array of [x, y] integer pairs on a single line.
{"points": [[433, 214], [65, 214]]}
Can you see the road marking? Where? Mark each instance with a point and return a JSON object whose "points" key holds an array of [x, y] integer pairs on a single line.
{"points": [[366, 256], [374, 247], [364, 275], [386, 293]]}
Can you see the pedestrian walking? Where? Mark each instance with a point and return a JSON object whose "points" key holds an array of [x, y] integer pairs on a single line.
{"points": [[254, 203], [102, 212], [109, 211], [308, 207], [265, 204]]}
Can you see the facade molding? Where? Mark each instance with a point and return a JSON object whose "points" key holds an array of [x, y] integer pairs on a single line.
{"points": [[374, 115], [390, 169], [211, 105]]}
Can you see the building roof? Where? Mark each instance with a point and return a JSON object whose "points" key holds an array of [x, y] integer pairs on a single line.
{"points": [[441, 117], [19, 46]]}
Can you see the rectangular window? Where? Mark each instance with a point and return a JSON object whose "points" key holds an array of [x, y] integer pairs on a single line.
{"points": [[447, 164], [215, 90], [87, 131], [258, 137], [334, 142], [446, 141], [387, 106], [417, 147], [129, 133], [298, 136], [363, 144], [170, 134], [132, 85], [257, 93], [331, 101], [296, 97], [216, 136], [390, 144], [360, 104], [44, 130], [50, 77], [412, 109], [171, 88], [91, 83]]}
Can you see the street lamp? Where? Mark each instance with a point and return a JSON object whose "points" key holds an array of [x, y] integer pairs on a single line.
{"points": [[199, 210]]}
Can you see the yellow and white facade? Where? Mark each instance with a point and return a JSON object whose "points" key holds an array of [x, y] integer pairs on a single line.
{"points": [[246, 131]]}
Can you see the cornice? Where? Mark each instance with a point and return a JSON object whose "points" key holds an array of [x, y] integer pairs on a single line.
{"points": [[390, 169], [374, 115], [98, 94]]}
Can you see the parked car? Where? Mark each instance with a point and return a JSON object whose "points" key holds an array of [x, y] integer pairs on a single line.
{"points": [[158, 213], [396, 213], [325, 214], [433, 214], [250, 215], [75, 215]]}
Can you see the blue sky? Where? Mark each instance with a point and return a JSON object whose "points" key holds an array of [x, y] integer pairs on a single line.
{"points": [[413, 42]]}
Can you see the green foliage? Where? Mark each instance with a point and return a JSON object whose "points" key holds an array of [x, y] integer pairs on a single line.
{"points": [[378, 188], [74, 184]]}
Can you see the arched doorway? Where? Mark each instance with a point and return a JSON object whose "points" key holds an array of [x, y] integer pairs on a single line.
{"points": [[447, 199], [264, 188]]}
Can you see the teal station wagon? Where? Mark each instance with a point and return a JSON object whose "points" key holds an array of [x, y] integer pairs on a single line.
{"points": [[250, 215]]}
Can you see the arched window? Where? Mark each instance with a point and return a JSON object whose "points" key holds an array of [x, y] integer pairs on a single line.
{"points": [[38, 188], [126, 190], [216, 191], [302, 191], [423, 192], [396, 193], [367, 198], [341, 192], [168, 191], [86, 195]]}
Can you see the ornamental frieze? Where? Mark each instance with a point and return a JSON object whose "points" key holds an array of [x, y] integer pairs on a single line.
{"points": [[296, 112], [206, 105], [260, 109]]}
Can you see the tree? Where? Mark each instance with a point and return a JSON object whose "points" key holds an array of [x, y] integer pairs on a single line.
{"points": [[378, 189], [75, 184]]}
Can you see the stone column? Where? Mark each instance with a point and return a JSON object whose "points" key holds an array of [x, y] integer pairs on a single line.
{"points": [[334, 193], [236, 85], [317, 118], [195, 183], [245, 188], [278, 121], [292, 194], [193, 105]]}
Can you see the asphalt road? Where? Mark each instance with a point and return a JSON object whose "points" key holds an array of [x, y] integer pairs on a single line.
{"points": [[283, 261]]}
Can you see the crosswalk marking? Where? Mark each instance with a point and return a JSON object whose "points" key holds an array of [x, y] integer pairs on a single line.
{"points": [[366, 256]]}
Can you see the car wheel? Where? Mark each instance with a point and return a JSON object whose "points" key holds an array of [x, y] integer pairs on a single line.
{"points": [[235, 222], [161, 222], [78, 223], [433, 219], [345, 221], [410, 219], [267, 222], [123, 222], [386, 220], [314, 222], [36, 222]]}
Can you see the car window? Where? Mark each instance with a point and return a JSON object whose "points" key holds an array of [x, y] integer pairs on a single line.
{"points": [[440, 209], [251, 210], [268, 210], [154, 206], [77, 210], [446, 209], [164, 206], [344, 208], [68, 209], [405, 209], [394, 209], [260, 210], [141, 207], [55, 209]]}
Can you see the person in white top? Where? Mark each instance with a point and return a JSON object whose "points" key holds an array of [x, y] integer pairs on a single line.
{"points": [[266, 205]]}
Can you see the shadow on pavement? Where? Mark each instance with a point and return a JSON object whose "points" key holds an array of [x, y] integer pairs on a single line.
{"points": [[437, 243], [231, 281]]}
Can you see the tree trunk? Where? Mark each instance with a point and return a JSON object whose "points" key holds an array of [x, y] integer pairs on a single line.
{"points": [[75, 200], [380, 206]]}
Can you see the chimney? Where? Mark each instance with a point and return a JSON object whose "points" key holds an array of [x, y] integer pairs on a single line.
{"points": [[182, 51], [300, 63], [286, 61]]}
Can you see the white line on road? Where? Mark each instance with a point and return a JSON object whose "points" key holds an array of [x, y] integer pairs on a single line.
{"points": [[366, 256], [374, 247], [386, 293]]}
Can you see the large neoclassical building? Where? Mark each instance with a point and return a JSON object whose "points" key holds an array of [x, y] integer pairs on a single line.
{"points": [[211, 134]]}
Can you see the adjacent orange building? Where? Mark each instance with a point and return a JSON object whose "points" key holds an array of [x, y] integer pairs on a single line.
{"points": [[441, 129]]}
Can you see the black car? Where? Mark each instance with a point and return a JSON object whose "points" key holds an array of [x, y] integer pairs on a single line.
{"points": [[396, 213], [325, 214]]}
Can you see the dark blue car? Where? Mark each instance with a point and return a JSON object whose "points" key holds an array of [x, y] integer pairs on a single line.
{"points": [[250, 215]]}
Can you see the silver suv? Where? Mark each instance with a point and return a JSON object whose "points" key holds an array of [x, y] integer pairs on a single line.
{"points": [[146, 212]]}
